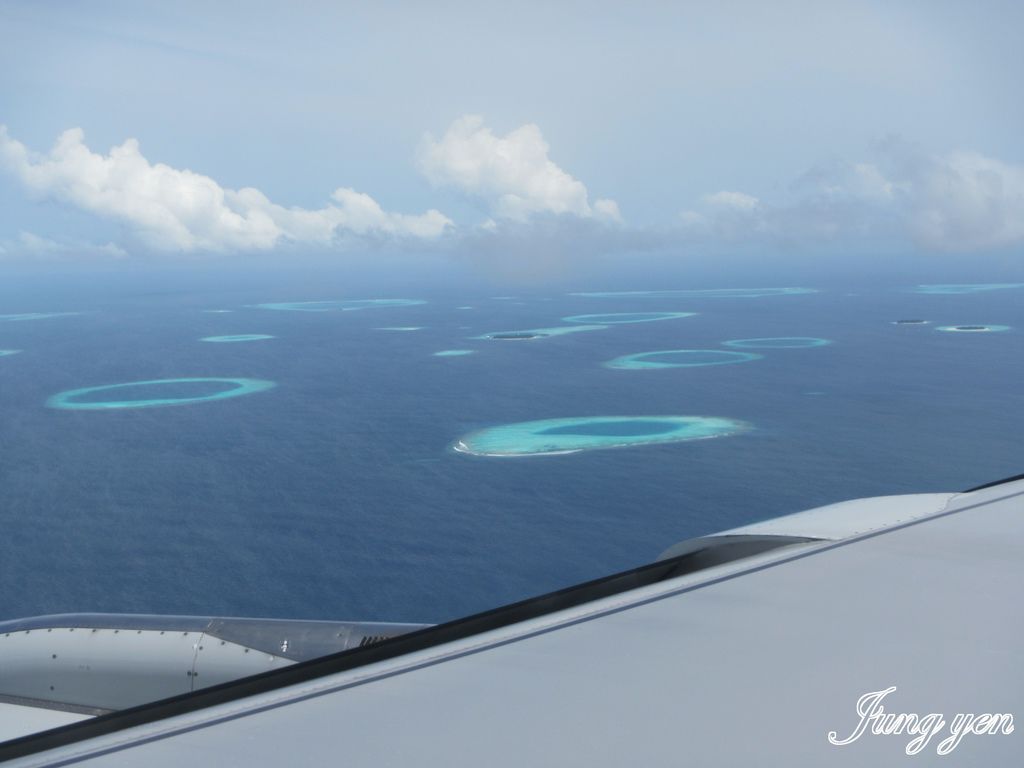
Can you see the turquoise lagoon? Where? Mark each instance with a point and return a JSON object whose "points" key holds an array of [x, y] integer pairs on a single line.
{"points": [[613, 318], [778, 342], [237, 337], [955, 288], [679, 358], [703, 293], [343, 305], [539, 333], [157, 393], [571, 435], [35, 316]]}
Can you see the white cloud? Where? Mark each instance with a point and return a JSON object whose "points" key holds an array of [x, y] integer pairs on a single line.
{"points": [[36, 244], [512, 172], [737, 201], [607, 209], [31, 244], [180, 210], [869, 183], [728, 215], [962, 201], [967, 201]]}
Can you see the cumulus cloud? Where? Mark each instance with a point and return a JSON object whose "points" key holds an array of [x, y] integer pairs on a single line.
{"points": [[961, 201], [180, 210], [966, 201], [513, 173]]}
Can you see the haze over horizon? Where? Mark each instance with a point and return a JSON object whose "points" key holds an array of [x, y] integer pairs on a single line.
{"points": [[532, 140]]}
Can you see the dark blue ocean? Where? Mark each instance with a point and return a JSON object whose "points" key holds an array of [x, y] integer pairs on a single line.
{"points": [[337, 495]]}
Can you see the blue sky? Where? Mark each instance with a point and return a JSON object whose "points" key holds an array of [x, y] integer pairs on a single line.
{"points": [[335, 129]]}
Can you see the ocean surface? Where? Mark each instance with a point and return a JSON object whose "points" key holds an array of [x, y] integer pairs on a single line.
{"points": [[336, 493]]}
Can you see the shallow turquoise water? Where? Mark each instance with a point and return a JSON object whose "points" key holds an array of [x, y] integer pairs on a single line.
{"points": [[73, 399], [679, 358], [623, 428], [702, 293], [613, 318], [337, 495], [339, 305], [540, 333], [454, 352], [237, 337], [35, 316], [955, 288], [7, 352], [778, 342], [570, 435]]}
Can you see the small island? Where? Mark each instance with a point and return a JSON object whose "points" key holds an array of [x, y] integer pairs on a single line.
{"points": [[531, 334], [517, 336], [972, 328]]}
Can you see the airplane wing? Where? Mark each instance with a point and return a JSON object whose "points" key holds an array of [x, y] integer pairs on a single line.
{"points": [[750, 647]]}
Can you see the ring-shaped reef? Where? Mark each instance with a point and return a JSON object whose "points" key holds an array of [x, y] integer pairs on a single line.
{"points": [[699, 293], [571, 435], [454, 352], [35, 316], [8, 352], [679, 358], [343, 305], [614, 318], [778, 342], [73, 399], [973, 328], [944, 289], [237, 337], [539, 333]]}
